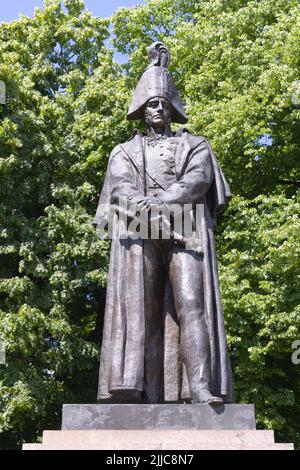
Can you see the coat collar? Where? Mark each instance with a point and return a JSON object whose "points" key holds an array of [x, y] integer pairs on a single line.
{"points": [[188, 142], [135, 151]]}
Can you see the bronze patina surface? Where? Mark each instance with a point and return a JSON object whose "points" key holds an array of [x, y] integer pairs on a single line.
{"points": [[164, 338]]}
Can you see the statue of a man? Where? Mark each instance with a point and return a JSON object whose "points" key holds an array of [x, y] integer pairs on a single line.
{"points": [[164, 338]]}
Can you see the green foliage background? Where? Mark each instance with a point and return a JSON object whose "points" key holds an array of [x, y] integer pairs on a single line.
{"points": [[236, 63]]}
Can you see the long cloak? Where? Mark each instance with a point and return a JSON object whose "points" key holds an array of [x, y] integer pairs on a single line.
{"points": [[122, 352]]}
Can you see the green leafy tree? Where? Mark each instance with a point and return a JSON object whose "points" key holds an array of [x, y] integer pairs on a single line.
{"points": [[259, 252]]}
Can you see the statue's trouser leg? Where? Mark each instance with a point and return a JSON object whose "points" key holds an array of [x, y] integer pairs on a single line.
{"points": [[154, 277], [185, 272]]}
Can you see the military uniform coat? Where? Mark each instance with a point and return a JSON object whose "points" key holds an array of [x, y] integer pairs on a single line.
{"points": [[199, 180]]}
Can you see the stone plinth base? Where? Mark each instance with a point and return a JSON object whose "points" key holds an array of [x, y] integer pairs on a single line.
{"points": [[165, 416], [158, 427], [158, 440]]}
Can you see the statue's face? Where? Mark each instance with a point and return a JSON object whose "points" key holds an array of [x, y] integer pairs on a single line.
{"points": [[158, 112]]}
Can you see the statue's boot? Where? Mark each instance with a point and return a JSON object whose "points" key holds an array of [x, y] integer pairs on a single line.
{"points": [[204, 396]]}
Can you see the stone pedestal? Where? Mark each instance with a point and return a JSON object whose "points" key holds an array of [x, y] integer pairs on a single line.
{"points": [[169, 416], [158, 427]]}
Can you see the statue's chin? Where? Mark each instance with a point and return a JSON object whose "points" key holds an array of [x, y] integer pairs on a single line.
{"points": [[158, 124]]}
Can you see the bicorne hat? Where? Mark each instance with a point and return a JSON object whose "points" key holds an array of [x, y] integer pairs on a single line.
{"points": [[157, 81]]}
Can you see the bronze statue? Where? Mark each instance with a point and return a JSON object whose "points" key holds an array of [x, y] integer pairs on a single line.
{"points": [[164, 338]]}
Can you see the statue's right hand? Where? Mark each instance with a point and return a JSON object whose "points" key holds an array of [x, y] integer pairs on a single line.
{"points": [[141, 202]]}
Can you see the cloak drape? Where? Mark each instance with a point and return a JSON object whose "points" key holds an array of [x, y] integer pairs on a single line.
{"points": [[122, 353]]}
